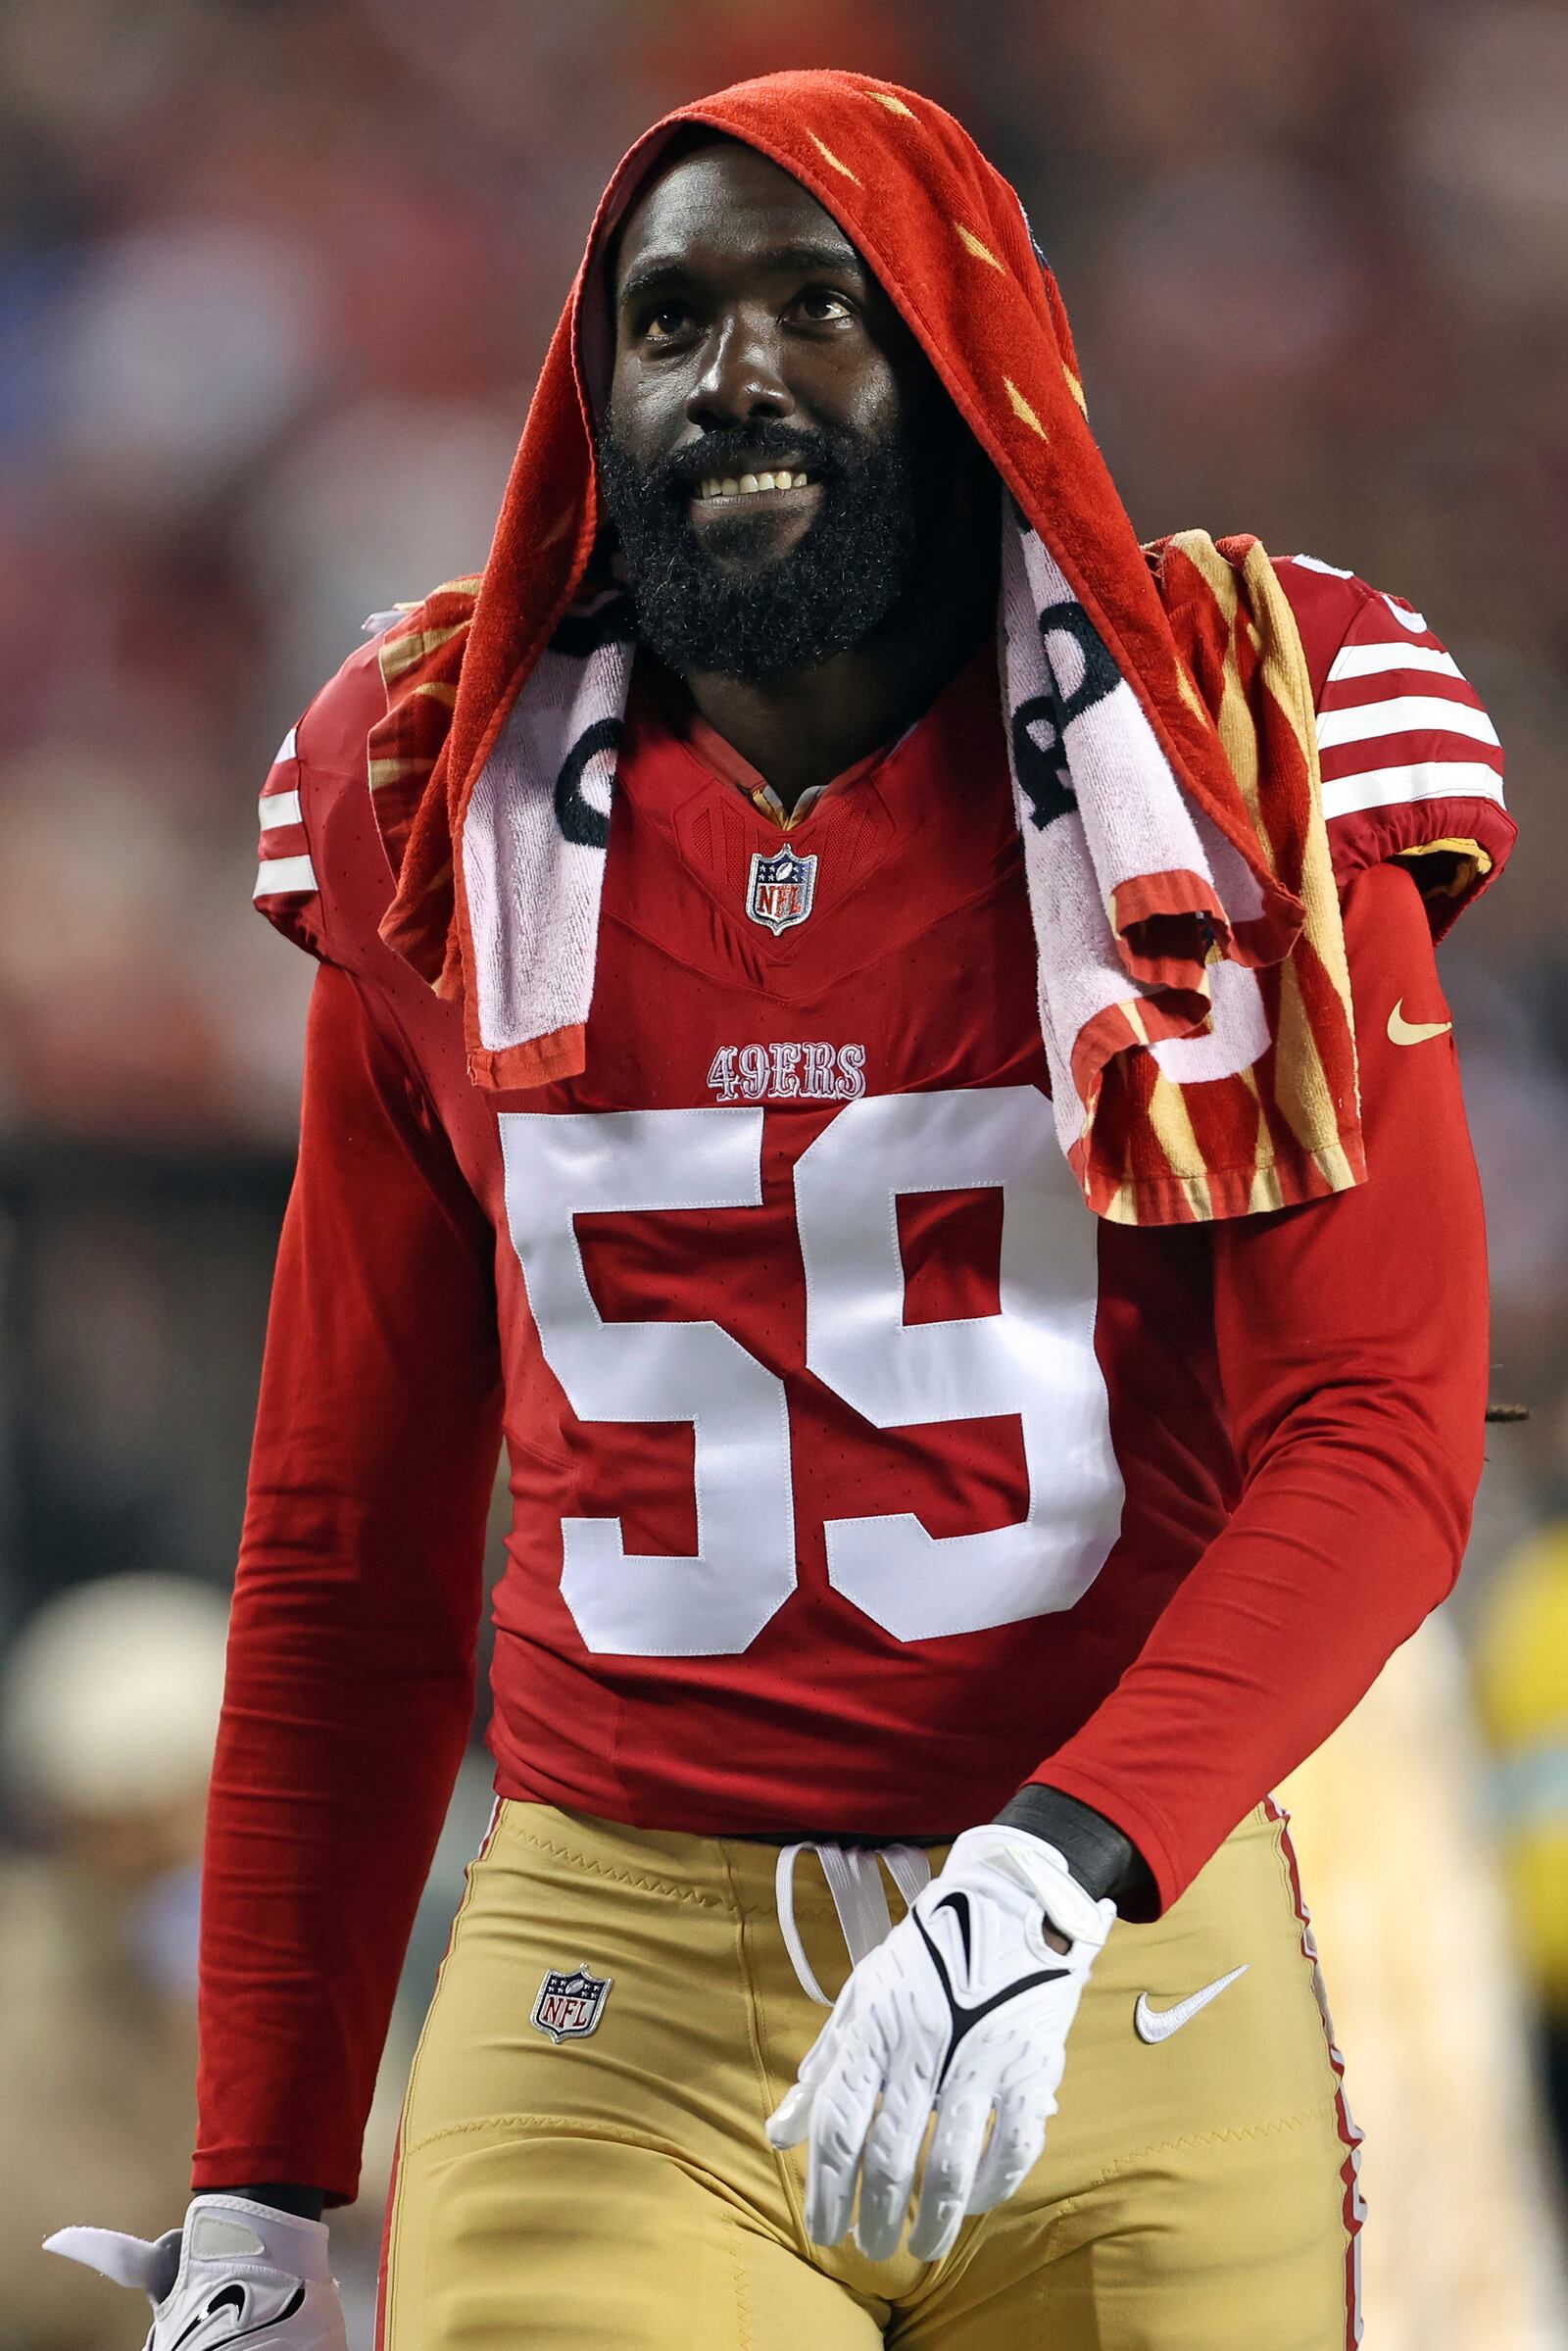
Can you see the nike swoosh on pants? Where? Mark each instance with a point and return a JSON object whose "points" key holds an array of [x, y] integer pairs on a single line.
{"points": [[1156, 2025]]}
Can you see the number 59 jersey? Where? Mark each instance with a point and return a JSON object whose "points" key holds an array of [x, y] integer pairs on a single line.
{"points": [[857, 1473], [835, 1444]]}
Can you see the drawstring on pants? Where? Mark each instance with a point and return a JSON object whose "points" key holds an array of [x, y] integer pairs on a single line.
{"points": [[855, 1881]]}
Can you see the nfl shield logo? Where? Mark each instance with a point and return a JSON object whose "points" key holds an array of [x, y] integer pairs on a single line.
{"points": [[781, 890], [568, 2006]]}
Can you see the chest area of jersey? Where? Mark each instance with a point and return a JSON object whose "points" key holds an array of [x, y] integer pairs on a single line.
{"points": [[801, 1252], [769, 1127]]}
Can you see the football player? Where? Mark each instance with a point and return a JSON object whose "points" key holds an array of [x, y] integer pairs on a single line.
{"points": [[887, 1040]]}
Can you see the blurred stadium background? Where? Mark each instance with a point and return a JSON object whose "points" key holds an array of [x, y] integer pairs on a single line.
{"points": [[274, 276]]}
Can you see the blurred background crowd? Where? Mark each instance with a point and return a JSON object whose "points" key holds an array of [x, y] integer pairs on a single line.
{"points": [[274, 278]]}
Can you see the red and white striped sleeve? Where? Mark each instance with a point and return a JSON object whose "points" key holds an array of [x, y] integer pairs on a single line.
{"points": [[1398, 721], [285, 868], [1411, 763], [323, 878], [286, 884]]}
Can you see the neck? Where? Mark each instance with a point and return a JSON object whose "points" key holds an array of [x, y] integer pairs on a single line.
{"points": [[802, 730]]}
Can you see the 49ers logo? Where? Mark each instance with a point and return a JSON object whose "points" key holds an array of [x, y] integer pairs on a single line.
{"points": [[788, 1073]]}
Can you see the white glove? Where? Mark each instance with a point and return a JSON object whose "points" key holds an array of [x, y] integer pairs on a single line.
{"points": [[238, 2271], [965, 2007]]}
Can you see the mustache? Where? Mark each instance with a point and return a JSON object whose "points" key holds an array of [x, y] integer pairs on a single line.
{"points": [[736, 449]]}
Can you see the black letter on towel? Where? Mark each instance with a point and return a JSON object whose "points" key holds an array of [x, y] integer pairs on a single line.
{"points": [[1042, 773], [579, 821], [1100, 675], [1044, 777]]}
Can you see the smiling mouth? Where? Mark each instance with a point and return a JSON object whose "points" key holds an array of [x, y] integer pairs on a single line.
{"points": [[733, 489]]}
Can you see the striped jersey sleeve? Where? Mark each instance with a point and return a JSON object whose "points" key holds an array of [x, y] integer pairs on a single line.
{"points": [[1399, 720], [286, 886], [1411, 763], [321, 876]]}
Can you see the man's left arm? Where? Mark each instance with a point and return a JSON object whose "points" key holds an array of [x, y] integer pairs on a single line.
{"points": [[1351, 1338]]}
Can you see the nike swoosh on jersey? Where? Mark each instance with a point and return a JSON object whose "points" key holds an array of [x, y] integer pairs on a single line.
{"points": [[1158, 2023], [1414, 1032]]}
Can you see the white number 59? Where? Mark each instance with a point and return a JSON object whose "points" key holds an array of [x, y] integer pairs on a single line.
{"points": [[1035, 1358]]}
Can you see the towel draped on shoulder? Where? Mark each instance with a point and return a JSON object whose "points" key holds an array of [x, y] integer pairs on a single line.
{"points": [[1195, 1000]]}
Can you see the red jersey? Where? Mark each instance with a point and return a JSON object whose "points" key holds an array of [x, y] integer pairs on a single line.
{"points": [[858, 1475]]}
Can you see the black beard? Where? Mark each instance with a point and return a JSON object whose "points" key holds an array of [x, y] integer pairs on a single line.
{"points": [[826, 594]]}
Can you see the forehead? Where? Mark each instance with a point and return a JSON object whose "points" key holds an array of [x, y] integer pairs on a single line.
{"points": [[723, 210]]}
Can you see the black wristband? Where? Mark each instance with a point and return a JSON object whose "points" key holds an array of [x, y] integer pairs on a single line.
{"points": [[304, 2203], [1102, 1859]]}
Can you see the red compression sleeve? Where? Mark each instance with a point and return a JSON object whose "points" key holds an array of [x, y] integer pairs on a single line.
{"points": [[351, 1660], [1352, 1346]]}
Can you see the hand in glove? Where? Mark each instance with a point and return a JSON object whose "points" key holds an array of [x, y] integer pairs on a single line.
{"points": [[235, 2270], [965, 2008]]}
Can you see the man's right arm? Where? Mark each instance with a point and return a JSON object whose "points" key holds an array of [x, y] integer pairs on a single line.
{"points": [[351, 1663]]}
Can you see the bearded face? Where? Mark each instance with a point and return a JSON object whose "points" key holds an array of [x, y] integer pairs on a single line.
{"points": [[723, 596], [778, 458]]}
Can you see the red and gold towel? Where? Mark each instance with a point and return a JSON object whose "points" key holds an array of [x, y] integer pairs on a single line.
{"points": [[1194, 993]]}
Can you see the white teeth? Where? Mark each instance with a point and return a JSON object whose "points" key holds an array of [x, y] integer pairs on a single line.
{"points": [[726, 486]]}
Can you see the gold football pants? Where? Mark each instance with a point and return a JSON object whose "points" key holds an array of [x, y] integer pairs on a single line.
{"points": [[613, 2191]]}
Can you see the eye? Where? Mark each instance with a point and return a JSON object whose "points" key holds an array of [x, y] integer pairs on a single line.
{"points": [[823, 307], [664, 325]]}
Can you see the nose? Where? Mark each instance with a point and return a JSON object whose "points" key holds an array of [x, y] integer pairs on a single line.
{"points": [[741, 379]]}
